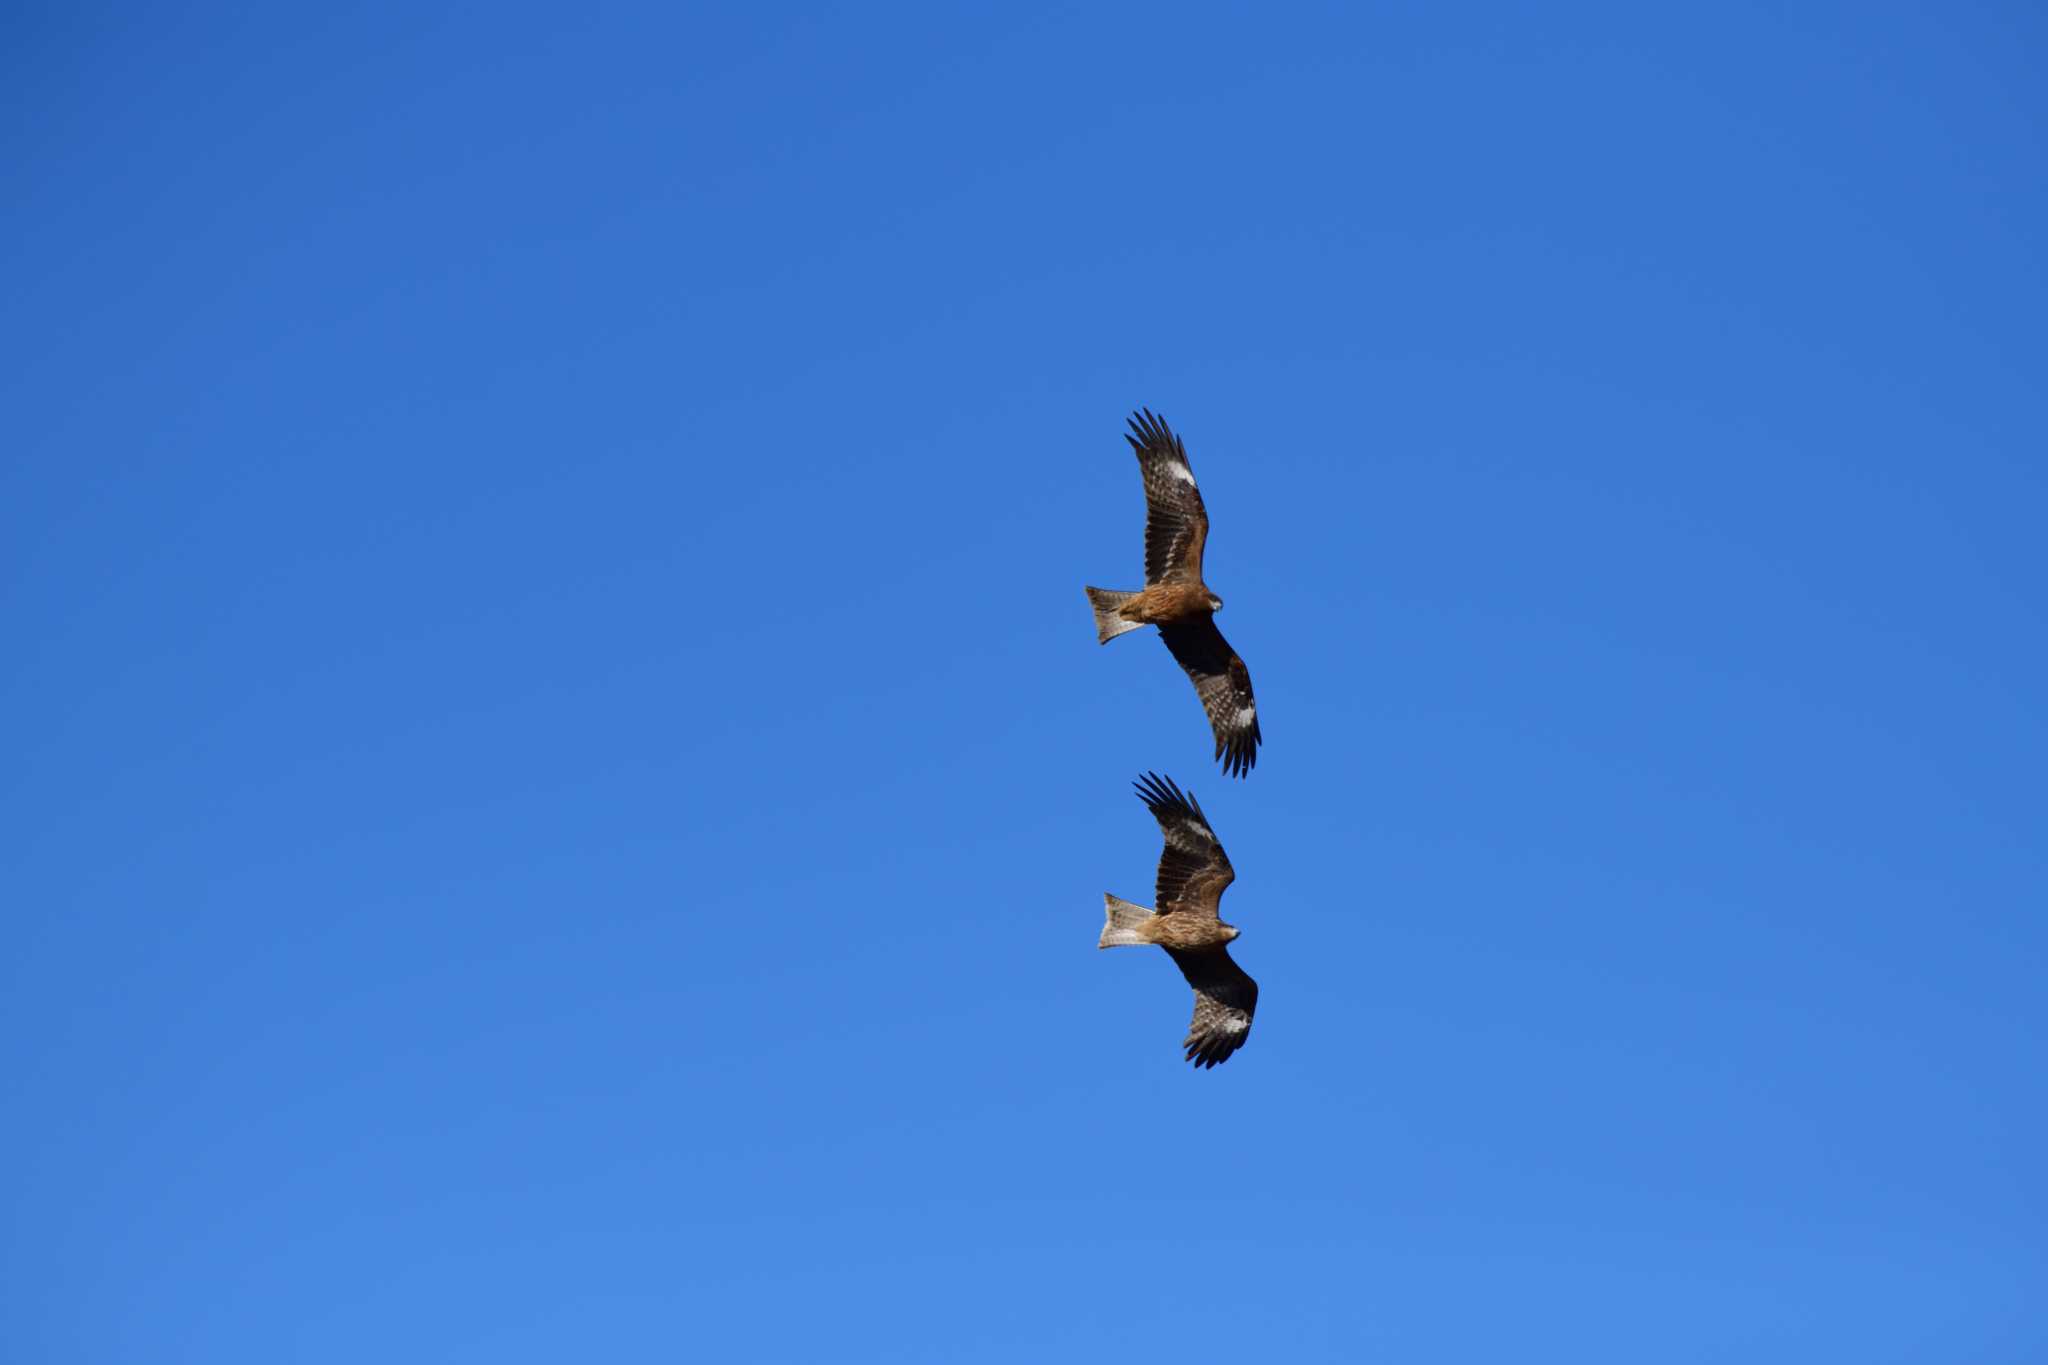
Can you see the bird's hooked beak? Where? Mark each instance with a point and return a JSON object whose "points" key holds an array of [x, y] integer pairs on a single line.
{"points": [[1215, 602]]}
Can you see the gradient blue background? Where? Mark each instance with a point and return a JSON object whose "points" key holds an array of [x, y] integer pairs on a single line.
{"points": [[558, 780]]}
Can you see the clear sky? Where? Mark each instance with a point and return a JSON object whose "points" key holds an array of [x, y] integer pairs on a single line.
{"points": [[558, 779]]}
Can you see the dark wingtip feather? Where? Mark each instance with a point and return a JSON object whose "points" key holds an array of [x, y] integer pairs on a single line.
{"points": [[1152, 433], [1240, 751], [1163, 793]]}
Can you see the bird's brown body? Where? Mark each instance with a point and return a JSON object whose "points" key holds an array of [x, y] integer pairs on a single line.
{"points": [[1170, 603], [1186, 931]]}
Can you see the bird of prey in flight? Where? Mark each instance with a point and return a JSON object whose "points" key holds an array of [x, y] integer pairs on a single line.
{"points": [[1175, 598], [1193, 872]]}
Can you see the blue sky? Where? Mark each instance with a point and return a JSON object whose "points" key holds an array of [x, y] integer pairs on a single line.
{"points": [[559, 779]]}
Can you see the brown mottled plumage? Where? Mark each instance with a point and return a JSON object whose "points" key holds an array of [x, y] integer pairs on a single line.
{"points": [[1175, 598], [1193, 873]]}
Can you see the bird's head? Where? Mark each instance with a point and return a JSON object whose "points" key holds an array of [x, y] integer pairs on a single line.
{"points": [[1215, 602]]}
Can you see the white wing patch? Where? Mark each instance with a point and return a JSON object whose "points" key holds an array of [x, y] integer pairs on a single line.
{"points": [[1181, 472], [1246, 715]]}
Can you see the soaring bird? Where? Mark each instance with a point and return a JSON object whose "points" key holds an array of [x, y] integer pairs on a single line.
{"points": [[1192, 874], [1175, 598]]}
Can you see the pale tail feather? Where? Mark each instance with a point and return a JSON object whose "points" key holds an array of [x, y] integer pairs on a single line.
{"points": [[1121, 921], [1108, 625]]}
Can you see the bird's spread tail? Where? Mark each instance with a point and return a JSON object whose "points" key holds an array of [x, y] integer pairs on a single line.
{"points": [[1121, 921], [1108, 625]]}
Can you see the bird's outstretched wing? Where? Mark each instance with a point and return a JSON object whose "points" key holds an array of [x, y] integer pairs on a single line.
{"points": [[1225, 686], [1224, 1000], [1193, 869], [1176, 523]]}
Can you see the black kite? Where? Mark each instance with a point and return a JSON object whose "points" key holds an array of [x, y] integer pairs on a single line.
{"points": [[1176, 599], [1193, 872]]}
